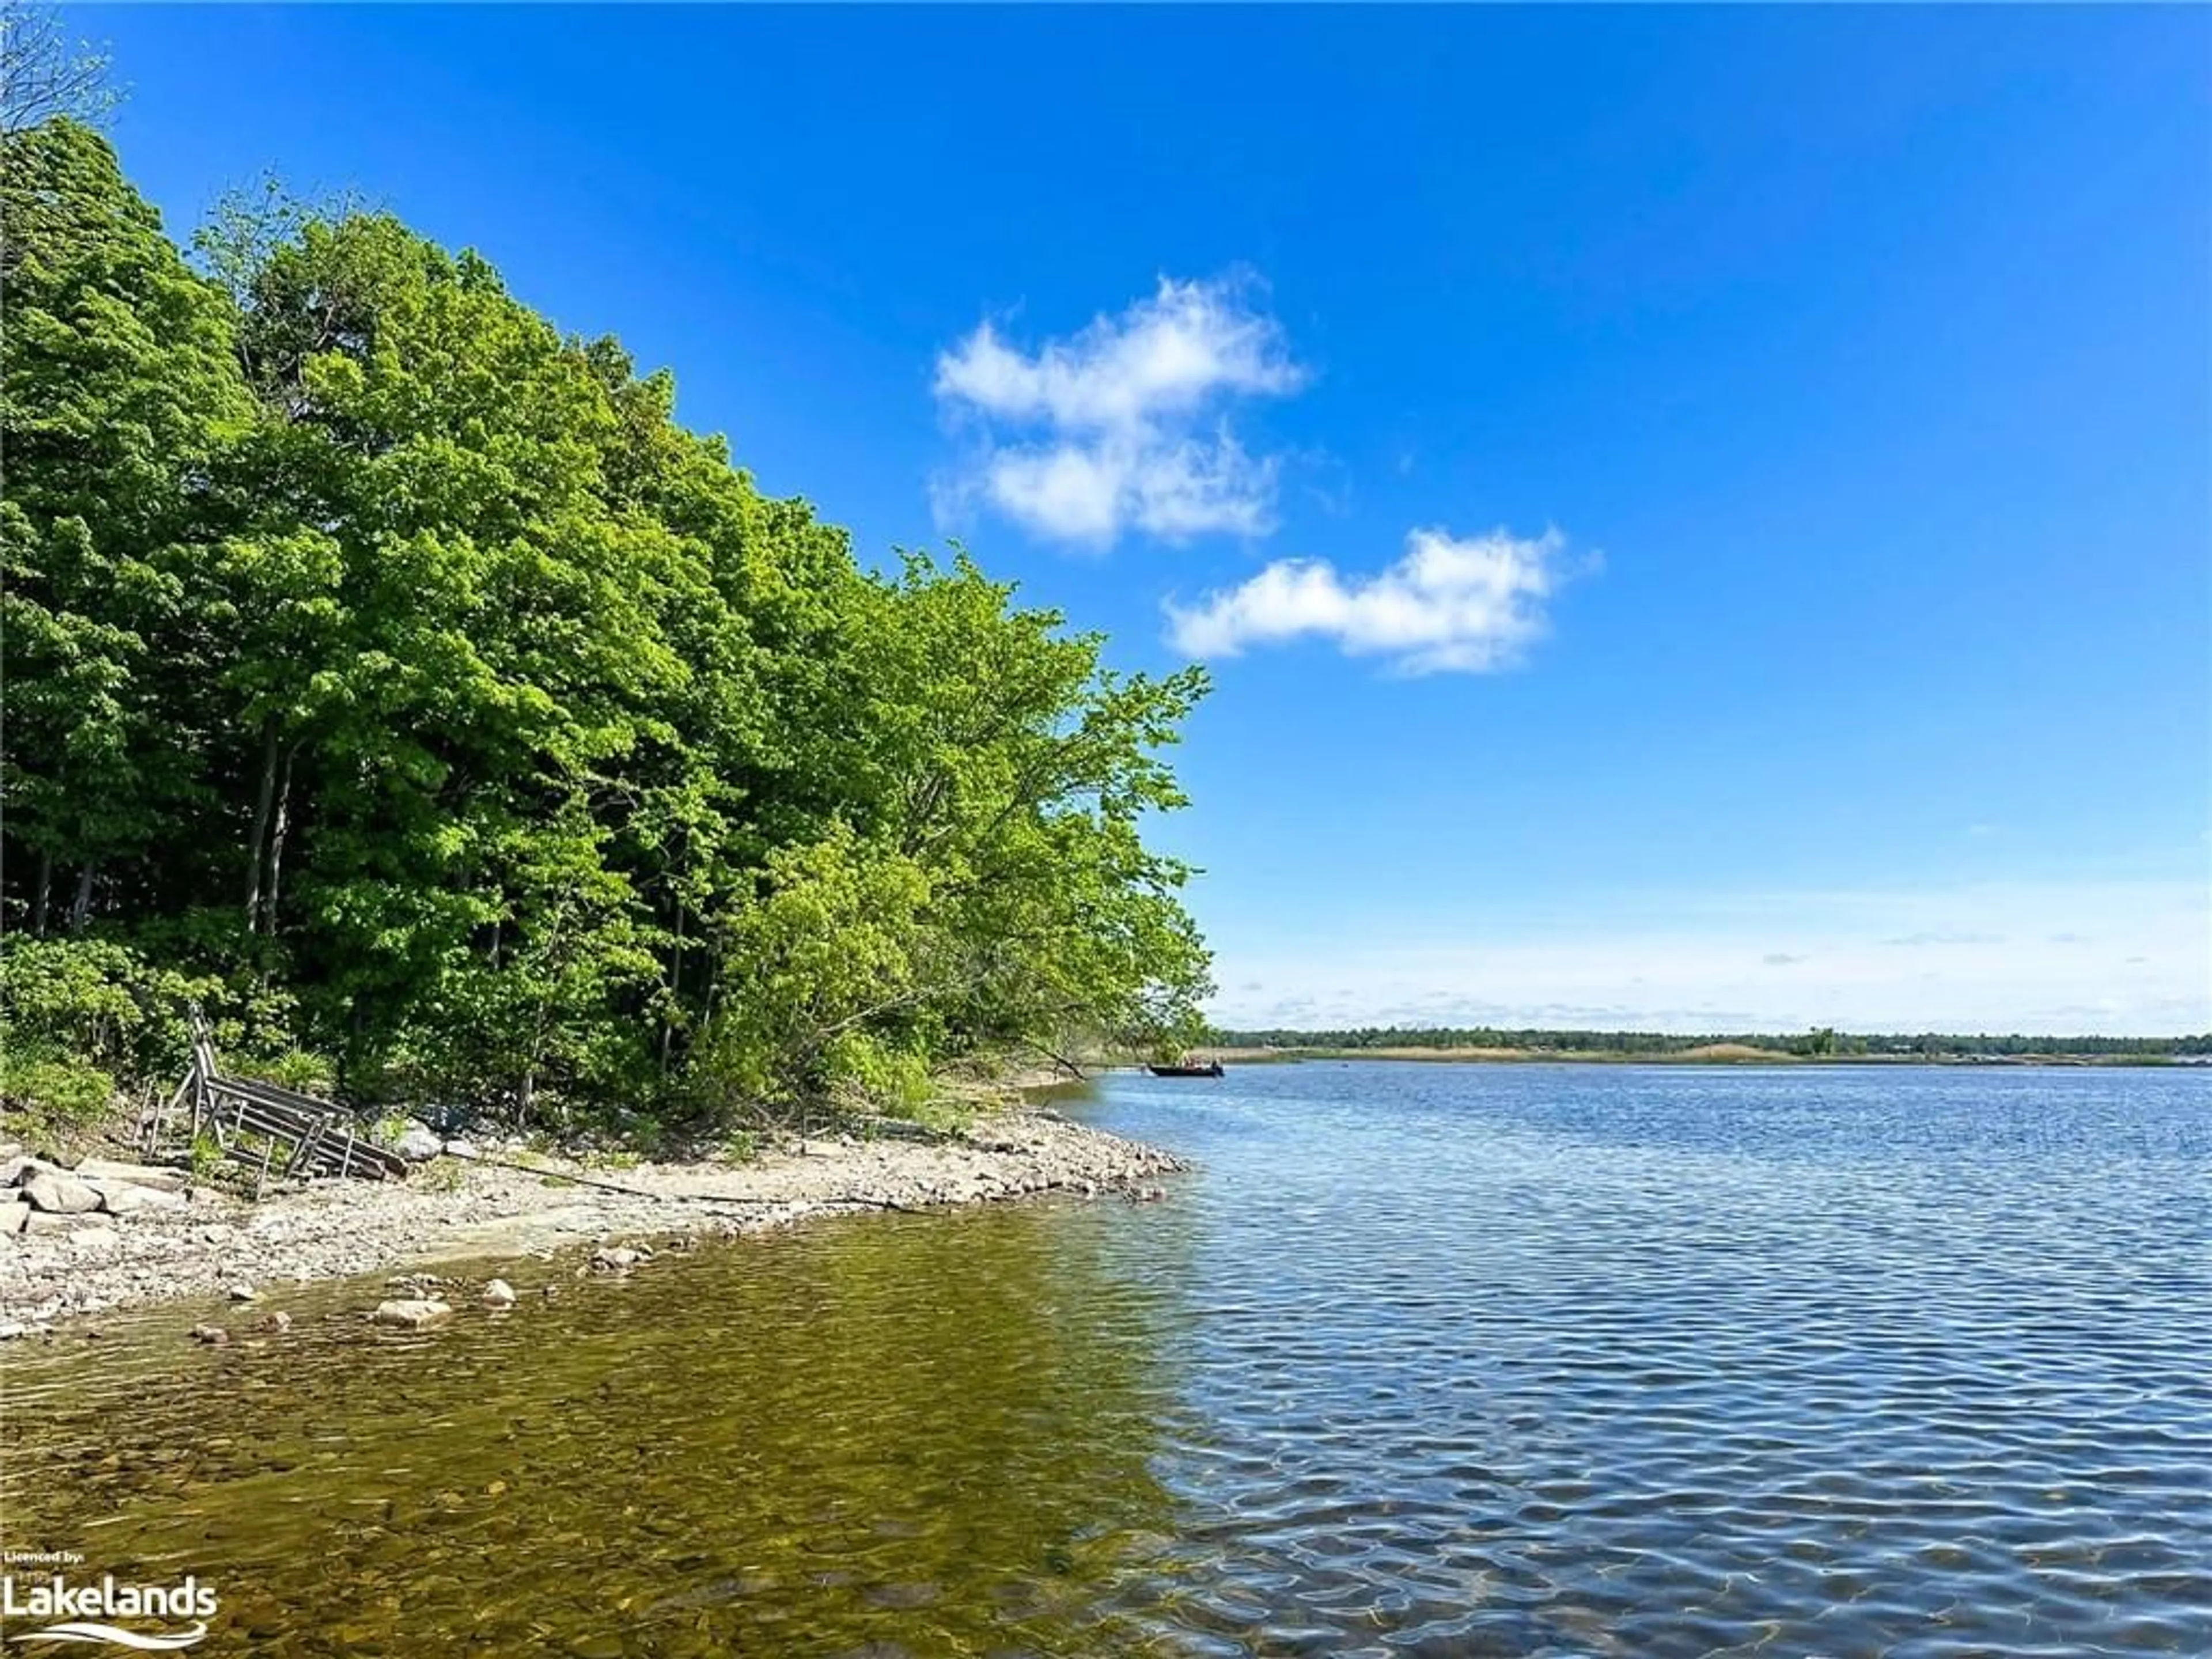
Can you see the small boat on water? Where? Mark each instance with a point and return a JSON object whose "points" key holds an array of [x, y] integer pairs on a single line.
{"points": [[1212, 1068]]}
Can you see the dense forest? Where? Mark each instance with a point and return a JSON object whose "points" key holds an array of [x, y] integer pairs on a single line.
{"points": [[390, 672], [1822, 1043]]}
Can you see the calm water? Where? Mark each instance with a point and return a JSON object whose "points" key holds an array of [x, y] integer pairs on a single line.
{"points": [[1440, 1360]]}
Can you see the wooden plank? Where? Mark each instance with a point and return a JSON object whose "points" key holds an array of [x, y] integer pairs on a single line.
{"points": [[303, 1156], [272, 1094]]}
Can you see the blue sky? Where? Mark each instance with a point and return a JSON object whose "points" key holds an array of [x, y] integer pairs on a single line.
{"points": [[1700, 519]]}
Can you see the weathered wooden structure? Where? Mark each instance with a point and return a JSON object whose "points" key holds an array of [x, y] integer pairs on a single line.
{"points": [[271, 1129]]}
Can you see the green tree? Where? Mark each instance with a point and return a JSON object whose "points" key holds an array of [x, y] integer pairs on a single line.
{"points": [[119, 395], [402, 661]]}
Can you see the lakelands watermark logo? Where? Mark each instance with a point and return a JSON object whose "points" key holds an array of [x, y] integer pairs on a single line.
{"points": [[85, 1612]]}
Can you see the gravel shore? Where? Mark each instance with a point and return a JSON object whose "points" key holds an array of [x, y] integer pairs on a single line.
{"points": [[454, 1209]]}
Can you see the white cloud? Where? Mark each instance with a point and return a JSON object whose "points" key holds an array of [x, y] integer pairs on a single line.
{"points": [[1470, 605], [1120, 425]]}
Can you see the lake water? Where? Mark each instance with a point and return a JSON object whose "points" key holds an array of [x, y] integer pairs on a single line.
{"points": [[1454, 1360]]}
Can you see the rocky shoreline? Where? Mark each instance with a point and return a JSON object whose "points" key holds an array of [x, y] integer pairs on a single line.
{"points": [[146, 1238]]}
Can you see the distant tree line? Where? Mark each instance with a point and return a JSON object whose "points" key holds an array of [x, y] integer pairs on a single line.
{"points": [[393, 673], [1817, 1043]]}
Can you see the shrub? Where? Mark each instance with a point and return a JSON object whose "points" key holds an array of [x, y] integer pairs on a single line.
{"points": [[51, 1094]]}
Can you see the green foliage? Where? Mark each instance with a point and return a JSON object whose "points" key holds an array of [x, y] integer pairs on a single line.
{"points": [[100, 1001], [49, 1095], [392, 674]]}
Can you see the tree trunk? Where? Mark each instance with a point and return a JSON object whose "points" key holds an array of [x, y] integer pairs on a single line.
{"points": [[675, 980], [81, 912], [260, 827], [39, 899], [277, 846]]}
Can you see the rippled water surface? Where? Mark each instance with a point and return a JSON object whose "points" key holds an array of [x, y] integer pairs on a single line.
{"points": [[1447, 1360]]}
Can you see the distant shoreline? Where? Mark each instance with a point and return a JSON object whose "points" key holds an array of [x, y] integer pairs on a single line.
{"points": [[1720, 1053]]}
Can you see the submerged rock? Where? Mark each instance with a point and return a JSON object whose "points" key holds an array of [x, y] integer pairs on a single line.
{"points": [[411, 1314], [499, 1294], [213, 1336]]}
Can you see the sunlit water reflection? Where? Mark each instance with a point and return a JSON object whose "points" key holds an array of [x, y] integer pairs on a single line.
{"points": [[1448, 1360]]}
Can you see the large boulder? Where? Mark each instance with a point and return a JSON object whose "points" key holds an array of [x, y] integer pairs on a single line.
{"points": [[128, 1198], [60, 1194], [418, 1143], [412, 1313], [97, 1170]]}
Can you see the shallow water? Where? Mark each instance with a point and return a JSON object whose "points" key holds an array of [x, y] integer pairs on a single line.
{"points": [[1425, 1359]]}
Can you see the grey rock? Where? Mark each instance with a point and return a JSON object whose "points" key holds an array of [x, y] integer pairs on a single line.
{"points": [[213, 1336], [13, 1215], [499, 1294], [11, 1329], [99, 1170], [48, 1221], [411, 1314], [240, 1293], [60, 1194], [616, 1259], [418, 1144], [126, 1197], [461, 1149]]}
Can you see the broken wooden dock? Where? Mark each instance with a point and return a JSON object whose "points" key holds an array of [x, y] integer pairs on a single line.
{"points": [[273, 1129]]}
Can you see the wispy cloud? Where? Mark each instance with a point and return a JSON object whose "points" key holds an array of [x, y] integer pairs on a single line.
{"points": [[1980, 957], [1124, 424], [1466, 604]]}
